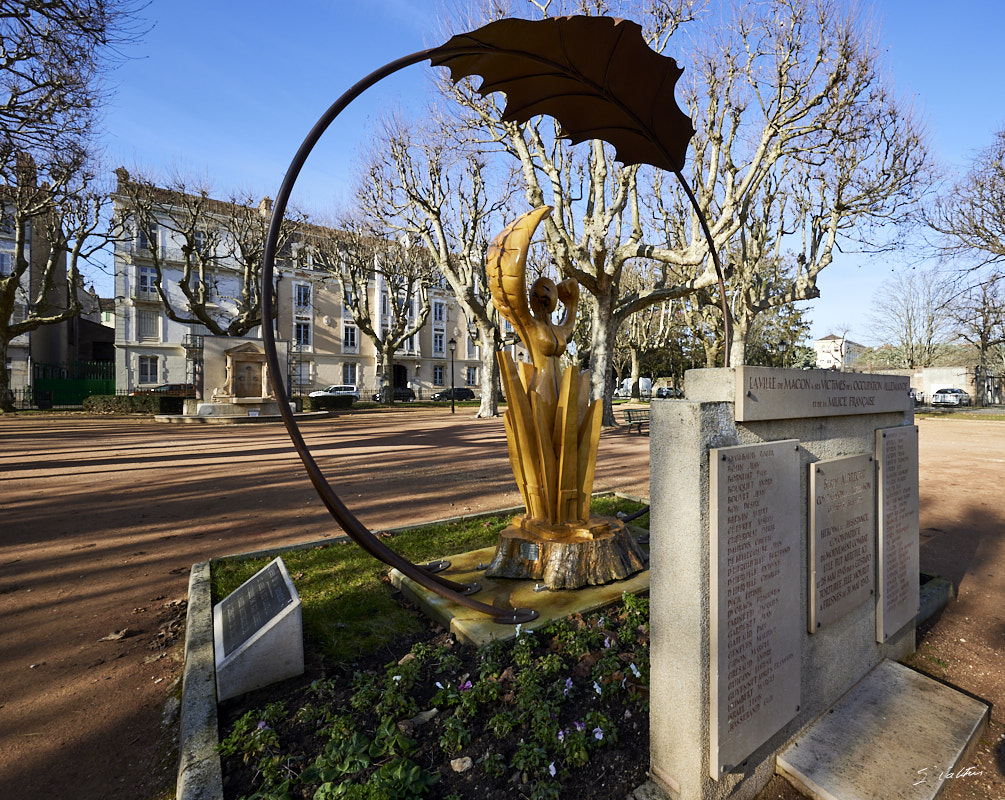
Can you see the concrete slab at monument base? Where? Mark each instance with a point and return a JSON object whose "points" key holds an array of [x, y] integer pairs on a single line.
{"points": [[895, 735], [477, 629]]}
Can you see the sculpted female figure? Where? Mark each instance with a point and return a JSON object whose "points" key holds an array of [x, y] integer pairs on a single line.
{"points": [[552, 430]]}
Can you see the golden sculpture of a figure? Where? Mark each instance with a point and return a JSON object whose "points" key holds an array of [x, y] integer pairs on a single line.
{"points": [[552, 430]]}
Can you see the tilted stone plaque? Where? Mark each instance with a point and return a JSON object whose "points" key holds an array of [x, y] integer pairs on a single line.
{"points": [[258, 633], [767, 393], [754, 596], [842, 537], [898, 591]]}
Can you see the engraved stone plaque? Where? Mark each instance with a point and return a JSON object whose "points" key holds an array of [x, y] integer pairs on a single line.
{"points": [[754, 597], [768, 393], [842, 537], [898, 590], [258, 633]]}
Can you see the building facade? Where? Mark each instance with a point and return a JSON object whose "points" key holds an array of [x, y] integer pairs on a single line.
{"points": [[325, 345]]}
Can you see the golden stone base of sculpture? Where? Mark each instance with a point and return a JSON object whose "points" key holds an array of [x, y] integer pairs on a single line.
{"points": [[567, 556]]}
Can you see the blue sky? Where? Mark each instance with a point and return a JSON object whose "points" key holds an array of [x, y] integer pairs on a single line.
{"points": [[229, 89]]}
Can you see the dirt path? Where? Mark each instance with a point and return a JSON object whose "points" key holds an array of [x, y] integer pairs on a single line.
{"points": [[101, 519]]}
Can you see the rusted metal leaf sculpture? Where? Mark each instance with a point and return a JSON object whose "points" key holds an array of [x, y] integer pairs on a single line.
{"points": [[595, 75]]}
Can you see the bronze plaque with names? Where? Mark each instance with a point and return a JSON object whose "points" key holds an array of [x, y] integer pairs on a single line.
{"points": [[842, 537], [754, 592], [898, 595]]}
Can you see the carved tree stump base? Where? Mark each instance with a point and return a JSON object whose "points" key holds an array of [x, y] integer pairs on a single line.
{"points": [[565, 556]]}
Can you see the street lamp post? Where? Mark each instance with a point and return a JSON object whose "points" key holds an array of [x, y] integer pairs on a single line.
{"points": [[452, 344]]}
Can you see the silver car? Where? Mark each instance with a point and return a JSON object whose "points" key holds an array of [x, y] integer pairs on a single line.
{"points": [[950, 397]]}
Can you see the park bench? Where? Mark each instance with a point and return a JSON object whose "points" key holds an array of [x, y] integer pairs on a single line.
{"points": [[637, 418]]}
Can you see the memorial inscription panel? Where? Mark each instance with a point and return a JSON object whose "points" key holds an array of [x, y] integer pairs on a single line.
{"points": [[767, 393], [842, 537], [898, 593], [248, 608], [754, 595]]}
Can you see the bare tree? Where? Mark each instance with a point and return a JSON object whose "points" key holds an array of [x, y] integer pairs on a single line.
{"points": [[206, 254], [54, 54], [970, 215], [978, 317], [801, 148], [911, 313], [385, 285], [789, 100], [52, 58], [56, 228], [418, 183]]}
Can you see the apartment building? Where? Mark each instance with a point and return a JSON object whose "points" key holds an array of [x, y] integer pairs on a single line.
{"points": [[324, 343]]}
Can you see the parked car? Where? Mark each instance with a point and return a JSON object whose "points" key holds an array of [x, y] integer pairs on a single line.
{"points": [[667, 392], [950, 397], [340, 389], [915, 395], [167, 390], [401, 394], [457, 393]]}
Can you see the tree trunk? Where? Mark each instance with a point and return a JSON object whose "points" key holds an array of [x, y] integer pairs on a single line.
{"points": [[6, 396], [636, 388], [387, 375], [601, 347], [738, 346], [489, 379]]}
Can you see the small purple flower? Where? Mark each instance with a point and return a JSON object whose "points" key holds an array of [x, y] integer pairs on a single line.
{"points": [[598, 733], [262, 725], [596, 688], [568, 687], [551, 769], [561, 736], [607, 642], [579, 726], [465, 686]]}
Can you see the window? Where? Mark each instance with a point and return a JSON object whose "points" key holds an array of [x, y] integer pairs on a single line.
{"points": [[439, 312], [347, 300], [148, 369], [472, 348], [302, 296], [350, 339], [147, 325], [147, 239], [302, 334], [385, 306], [349, 374], [438, 337], [200, 242], [471, 377], [438, 372], [409, 344], [146, 285]]}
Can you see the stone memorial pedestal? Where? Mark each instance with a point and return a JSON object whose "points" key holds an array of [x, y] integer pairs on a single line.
{"points": [[736, 672]]}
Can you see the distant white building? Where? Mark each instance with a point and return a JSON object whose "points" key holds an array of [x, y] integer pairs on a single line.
{"points": [[837, 352]]}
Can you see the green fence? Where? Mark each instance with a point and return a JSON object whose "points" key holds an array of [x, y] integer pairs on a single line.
{"points": [[58, 385]]}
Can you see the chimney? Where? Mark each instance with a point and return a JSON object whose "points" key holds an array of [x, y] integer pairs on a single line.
{"points": [[265, 207]]}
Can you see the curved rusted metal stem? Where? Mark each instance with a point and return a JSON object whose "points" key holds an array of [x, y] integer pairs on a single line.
{"points": [[727, 317], [356, 530]]}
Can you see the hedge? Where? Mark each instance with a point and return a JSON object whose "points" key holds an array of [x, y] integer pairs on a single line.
{"points": [[124, 404]]}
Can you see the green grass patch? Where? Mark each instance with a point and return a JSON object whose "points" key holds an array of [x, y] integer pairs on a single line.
{"points": [[346, 602]]}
